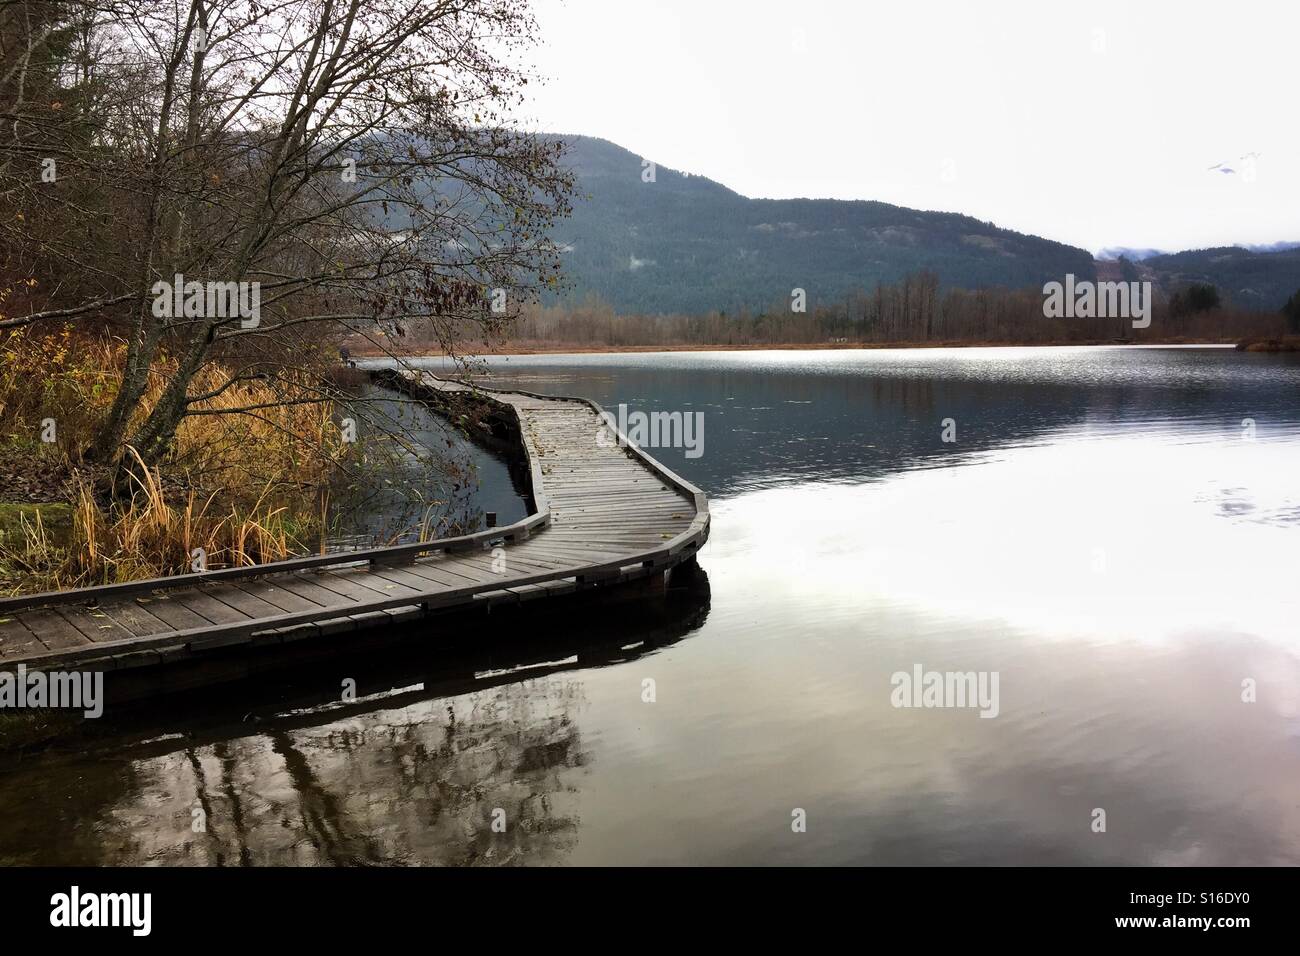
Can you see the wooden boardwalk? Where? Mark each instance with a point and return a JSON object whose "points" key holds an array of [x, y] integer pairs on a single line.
{"points": [[604, 514]]}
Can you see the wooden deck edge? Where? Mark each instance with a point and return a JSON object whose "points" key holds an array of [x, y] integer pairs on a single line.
{"points": [[183, 646]]}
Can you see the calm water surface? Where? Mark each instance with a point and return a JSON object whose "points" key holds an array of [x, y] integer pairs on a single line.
{"points": [[1115, 532]]}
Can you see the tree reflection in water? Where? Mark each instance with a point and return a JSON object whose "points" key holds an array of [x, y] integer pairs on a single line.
{"points": [[410, 773]]}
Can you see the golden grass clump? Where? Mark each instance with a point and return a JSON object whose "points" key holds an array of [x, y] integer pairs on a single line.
{"points": [[245, 487]]}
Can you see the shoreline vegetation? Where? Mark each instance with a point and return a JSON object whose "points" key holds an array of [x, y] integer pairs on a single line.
{"points": [[562, 348], [915, 312], [235, 489]]}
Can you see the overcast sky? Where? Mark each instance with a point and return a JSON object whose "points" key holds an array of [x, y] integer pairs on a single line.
{"points": [[1094, 123]]}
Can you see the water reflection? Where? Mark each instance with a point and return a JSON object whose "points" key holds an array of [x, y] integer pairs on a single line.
{"points": [[776, 417], [433, 479], [411, 772]]}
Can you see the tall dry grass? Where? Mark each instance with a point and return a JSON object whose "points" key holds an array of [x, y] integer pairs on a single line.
{"points": [[244, 488], [148, 537]]}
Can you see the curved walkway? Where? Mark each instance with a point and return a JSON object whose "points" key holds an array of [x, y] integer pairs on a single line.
{"points": [[605, 513]]}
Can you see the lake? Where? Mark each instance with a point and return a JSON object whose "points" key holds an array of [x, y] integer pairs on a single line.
{"points": [[1109, 538]]}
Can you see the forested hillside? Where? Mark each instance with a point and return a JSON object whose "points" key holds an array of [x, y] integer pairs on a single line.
{"points": [[686, 244], [1247, 279], [682, 244]]}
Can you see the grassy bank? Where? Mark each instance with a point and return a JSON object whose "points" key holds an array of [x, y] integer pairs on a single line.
{"points": [[244, 488]]}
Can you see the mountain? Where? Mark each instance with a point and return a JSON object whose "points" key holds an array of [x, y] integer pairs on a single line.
{"points": [[1246, 278], [686, 244], [1273, 247], [1251, 277]]}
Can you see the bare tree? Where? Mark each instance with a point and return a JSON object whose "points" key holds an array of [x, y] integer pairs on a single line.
{"points": [[332, 166]]}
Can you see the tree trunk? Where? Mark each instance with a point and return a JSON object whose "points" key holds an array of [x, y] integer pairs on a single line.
{"points": [[135, 380], [159, 429]]}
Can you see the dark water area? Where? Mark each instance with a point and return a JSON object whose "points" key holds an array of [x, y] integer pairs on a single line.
{"points": [[1114, 533], [442, 483]]}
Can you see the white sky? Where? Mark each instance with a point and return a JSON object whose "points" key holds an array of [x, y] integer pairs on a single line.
{"points": [[1089, 122]]}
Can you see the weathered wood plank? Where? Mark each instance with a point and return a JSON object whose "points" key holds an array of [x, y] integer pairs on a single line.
{"points": [[408, 577], [445, 573], [348, 584], [304, 586], [136, 618], [53, 631], [94, 624], [173, 613], [278, 597], [209, 608], [243, 601], [16, 639]]}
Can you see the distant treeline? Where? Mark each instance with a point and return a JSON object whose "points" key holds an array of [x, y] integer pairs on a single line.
{"points": [[912, 311]]}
